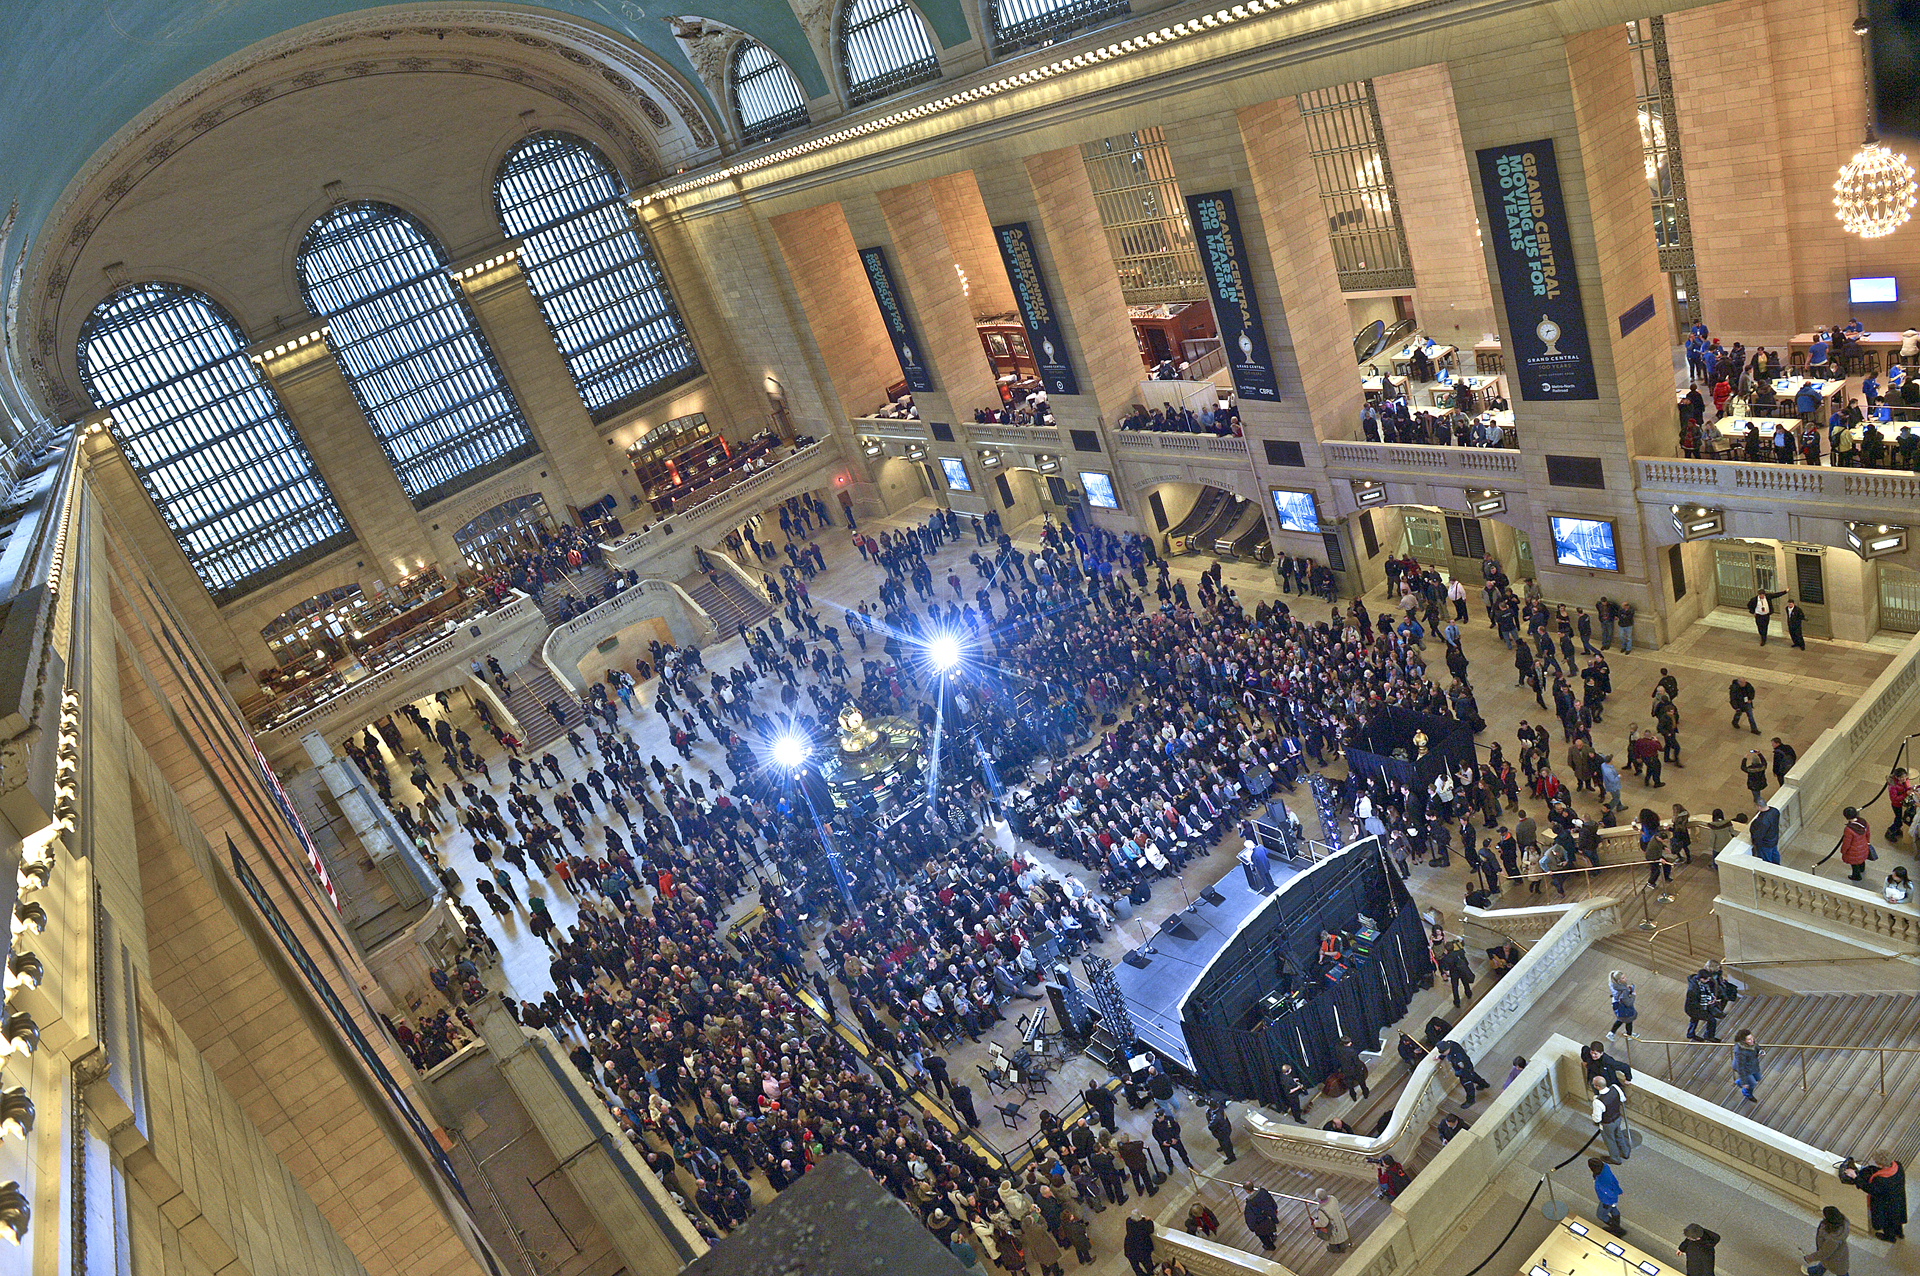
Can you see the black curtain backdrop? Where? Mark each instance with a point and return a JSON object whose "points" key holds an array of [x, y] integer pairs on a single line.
{"points": [[1449, 744], [1238, 1052]]}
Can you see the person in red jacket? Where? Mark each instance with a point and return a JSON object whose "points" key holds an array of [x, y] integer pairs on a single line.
{"points": [[1899, 789], [1856, 844]]}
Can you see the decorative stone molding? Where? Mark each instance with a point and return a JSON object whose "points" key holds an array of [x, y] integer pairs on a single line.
{"points": [[709, 46]]}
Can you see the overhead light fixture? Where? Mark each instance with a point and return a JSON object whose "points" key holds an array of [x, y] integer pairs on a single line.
{"points": [[1876, 540], [29, 915], [16, 1113], [1875, 192], [872, 447], [989, 458], [1047, 463], [1486, 502], [24, 971], [15, 1213], [1697, 522], [1367, 492]]}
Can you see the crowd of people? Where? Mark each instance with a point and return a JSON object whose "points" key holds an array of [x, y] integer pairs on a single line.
{"points": [[1392, 421], [1221, 419], [1126, 724]]}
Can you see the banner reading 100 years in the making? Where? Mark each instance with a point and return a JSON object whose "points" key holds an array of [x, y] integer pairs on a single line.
{"points": [[1551, 358]]}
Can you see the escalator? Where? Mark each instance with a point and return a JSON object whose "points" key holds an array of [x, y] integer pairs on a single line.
{"points": [[1207, 539], [1248, 540], [1205, 510]]}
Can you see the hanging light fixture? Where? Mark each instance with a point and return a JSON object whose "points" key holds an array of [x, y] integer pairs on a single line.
{"points": [[1875, 192]]}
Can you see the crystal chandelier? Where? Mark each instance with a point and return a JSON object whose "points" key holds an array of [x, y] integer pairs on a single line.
{"points": [[1875, 192]]}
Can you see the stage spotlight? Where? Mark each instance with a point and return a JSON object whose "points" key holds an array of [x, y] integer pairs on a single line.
{"points": [[789, 751], [943, 653]]}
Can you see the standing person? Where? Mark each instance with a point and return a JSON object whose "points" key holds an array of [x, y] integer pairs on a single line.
{"points": [[1885, 1183], [1697, 1249], [1626, 626], [1831, 1255], [1856, 844], [1763, 831], [1463, 1070], [1706, 1001], [1453, 962], [1746, 1063], [1138, 1246], [1760, 606], [1328, 1220], [1262, 1215], [1740, 696], [1352, 1069], [1754, 767], [1796, 617], [1160, 1086], [1607, 1191], [1899, 790], [1784, 756], [1220, 1126], [1610, 1114], [1166, 1132], [1620, 993], [963, 1104], [1101, 1103]]}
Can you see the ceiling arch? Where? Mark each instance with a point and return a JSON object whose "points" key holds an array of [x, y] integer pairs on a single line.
{"points": [[648, 118]]}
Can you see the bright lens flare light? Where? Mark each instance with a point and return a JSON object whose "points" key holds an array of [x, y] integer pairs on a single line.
{"points": [[944, 653], [789, 751]]}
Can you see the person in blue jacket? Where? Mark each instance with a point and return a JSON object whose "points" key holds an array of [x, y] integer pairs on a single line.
{"points": [[1607, 1191]]}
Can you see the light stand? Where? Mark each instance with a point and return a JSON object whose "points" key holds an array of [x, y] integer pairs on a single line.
{"points": [[790, 752]]}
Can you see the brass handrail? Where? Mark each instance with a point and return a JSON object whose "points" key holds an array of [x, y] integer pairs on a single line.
{"points": [[1652, 964], [1880, 1054]]}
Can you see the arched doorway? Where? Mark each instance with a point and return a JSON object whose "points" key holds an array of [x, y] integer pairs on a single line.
{"points": [[1455, 543], [493, 537]]}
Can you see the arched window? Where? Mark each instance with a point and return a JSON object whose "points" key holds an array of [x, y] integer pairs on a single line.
{"points": [[767, 100], [883, 49], [418, 363], [1018, 24], [593, 273], [207, 437]]}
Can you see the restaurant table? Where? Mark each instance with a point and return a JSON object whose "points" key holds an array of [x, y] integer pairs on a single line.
{"points": [[1489, 358], [1375, 388], [1469, 394]]}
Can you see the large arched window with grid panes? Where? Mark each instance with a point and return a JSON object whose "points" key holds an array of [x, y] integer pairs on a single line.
{"points": [[767, 100], [1020, 24], [593, 273], [884, 49], [419, 365], [207, 437]]}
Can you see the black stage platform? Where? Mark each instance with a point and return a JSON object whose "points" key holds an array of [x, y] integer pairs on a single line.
{"points": [[1157, 994]]}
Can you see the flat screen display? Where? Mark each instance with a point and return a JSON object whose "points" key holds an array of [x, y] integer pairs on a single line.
{"points": [[956, 472], [1298, 511], [1099, 490], [1584, 542], [1877, 288]]}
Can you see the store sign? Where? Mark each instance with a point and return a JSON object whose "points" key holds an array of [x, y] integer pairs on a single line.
{"points": [[1550, 358], [1036, 308], [906, 346], [1223, 259]]}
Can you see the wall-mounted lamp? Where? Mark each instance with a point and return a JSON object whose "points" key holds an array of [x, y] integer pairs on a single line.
{"points": [[989, 458], [1486, 502], [1697, 522], [872, 447], [24, 971], [1877, 540], [1367, 492], [1047, 464]]}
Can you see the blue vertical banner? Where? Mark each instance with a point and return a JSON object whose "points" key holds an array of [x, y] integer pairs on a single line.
{"points": [[906, 346], [1036, 308], [1223, 258], [1550, 358]]}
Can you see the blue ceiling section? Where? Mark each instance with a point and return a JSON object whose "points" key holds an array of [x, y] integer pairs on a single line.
{"points": [[75, 72]]}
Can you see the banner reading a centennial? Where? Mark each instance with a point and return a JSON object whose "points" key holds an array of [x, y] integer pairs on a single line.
{"points": [[913, 360], [1550, 358], [1036, 308], [1223, 259]]}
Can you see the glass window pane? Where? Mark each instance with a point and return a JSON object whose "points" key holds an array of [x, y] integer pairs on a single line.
{"points": [[593, 273], [1021, 23], [767, 100], [884, 49], [207, 437], [419, 365]]}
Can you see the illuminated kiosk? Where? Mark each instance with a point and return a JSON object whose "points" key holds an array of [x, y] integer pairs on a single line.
{"points": [[873, 757]]}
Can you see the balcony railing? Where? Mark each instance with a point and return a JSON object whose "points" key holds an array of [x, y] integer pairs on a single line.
{"points": [[892, 427], [1759, 479], [1369, 460], [1223, 447]]}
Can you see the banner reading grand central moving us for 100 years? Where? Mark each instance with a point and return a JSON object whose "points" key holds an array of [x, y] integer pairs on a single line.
{"points": [[1551, 358]]}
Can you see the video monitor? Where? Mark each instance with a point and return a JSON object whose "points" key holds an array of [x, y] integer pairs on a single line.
{"points": [[1298, 511], [1584, 542], [956, 472]]}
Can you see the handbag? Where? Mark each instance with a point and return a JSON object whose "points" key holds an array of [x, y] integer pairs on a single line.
{"points": [[1871, 853]]}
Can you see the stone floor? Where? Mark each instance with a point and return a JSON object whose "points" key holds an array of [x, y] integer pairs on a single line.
{"points": [[1801, 693]]}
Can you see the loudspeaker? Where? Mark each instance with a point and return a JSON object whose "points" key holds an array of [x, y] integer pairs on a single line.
{"points": [[1213, 896], [1136, 958], [1176, 925]]}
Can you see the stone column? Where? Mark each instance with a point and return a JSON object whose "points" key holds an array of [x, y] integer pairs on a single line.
{"points": [[1052, 194], [1578, 91], [321, 406], [516, 329], [1433, 179]]}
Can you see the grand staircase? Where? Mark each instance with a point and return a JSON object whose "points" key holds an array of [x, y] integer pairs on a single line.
{"points": [[1850, 1101], [531, 688], [730, 601], [586, 583], [1299, 1250]]}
